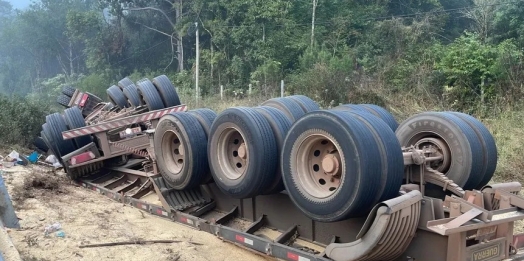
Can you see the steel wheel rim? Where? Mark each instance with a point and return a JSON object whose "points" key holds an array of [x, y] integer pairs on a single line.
{"points": [[319, 164], [233, 153], [172, 143]]}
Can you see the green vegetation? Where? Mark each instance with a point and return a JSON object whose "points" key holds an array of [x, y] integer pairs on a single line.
{"points": [[409, 55]]}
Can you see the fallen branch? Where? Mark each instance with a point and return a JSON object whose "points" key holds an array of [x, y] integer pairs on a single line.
{"points": [[138, 242]]}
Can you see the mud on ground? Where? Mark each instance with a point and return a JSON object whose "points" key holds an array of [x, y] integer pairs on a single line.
{"points": [[42, 197]]}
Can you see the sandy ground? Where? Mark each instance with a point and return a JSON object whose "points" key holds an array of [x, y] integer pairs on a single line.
{"points": [[87, 217]]}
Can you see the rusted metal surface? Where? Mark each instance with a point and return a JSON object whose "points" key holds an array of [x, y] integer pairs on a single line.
{"points": [[117, 123], [471, 225], [387, 233], [492, 203], [398, 220]]}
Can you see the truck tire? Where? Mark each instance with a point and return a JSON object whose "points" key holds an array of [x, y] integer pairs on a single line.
{"points": [[290, 108], [454, 139], [132, 95], [68, 91], [40, 144], [392, 161], [306, 103], [149, 94], [280, 125], [74, 119], [167, 91], [330, 166], [382, 113], [47, 143], [56, 125], [489, 147], [51, 143], [63, 100], [206, 117], [124, 83], [180, 146], [350, 107], [46, 140], [117, 97], [242, 152]]}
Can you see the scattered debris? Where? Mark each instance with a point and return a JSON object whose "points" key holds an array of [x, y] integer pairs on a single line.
{"points": [[52, 228], [31, 239], [51, 159], [138, 242]]}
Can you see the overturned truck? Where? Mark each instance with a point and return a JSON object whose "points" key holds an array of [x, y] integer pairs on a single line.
{"points": [[293, 181]]}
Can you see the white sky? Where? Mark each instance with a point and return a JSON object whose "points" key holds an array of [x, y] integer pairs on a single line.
{"points": [[20, 4]]}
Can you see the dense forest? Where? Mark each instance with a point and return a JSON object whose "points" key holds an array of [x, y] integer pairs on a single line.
{"points": [[461, 54]]}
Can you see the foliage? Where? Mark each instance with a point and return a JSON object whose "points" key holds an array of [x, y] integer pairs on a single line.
{"points": [[21, 119], [367, 51]]}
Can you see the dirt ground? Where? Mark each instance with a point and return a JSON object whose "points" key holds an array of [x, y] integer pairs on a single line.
{"points": [[42, 198]]}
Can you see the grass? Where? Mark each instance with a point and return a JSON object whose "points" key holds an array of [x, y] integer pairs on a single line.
{"points": [[508, 133], [505, 126]]}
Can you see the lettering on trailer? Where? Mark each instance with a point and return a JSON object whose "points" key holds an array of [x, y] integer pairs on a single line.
{"points": [[105, 126], [244, 240], [296, 257], [486, 253]]}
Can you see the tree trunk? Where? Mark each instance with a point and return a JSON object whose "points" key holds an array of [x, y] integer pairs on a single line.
{"points": [[71, 65], [212, 61], [315, 2], [179, 45]]}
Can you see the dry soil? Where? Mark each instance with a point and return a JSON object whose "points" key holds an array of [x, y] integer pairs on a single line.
{"points": [[42, 197]]}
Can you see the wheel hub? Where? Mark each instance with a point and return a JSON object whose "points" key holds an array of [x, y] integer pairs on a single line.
{"points": [[318, 163], [436, 147], [330, 164], [175, 159], [233, 153]]}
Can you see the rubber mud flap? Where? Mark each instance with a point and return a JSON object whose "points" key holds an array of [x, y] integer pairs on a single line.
{"points": [[358, 166], [242, 152], [180, 146]]}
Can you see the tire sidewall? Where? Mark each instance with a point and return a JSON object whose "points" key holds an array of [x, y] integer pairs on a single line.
{"points": [[349, 189], [166, 124], [452, 135]]}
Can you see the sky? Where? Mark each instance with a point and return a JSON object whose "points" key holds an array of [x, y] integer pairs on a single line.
{"points": [[20, 4]]}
